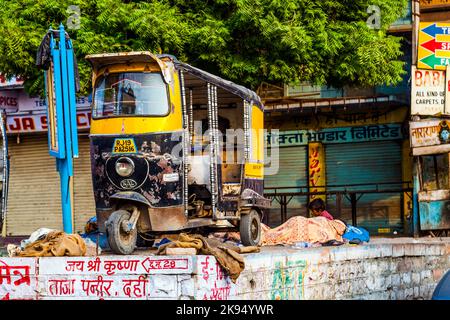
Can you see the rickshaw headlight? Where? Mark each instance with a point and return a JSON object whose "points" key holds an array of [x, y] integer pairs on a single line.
{"points": [[124, 167]]}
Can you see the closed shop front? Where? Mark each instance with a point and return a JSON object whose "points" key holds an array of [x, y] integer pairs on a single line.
{"points": [[292, 172], [360, 165], [34, 199], [366, 167]]}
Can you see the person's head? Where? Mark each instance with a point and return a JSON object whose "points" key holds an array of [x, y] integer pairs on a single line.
{"points": [[317, 206]]}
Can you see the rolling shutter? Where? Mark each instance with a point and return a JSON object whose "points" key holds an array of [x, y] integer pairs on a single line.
{"points": [[291, 173], [34, 199], [366, 163]]}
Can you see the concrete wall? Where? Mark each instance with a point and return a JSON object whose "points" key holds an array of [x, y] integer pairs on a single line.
{"points": [[404, 270]]}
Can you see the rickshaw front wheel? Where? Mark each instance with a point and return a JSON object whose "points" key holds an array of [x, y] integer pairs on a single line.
{"points": [[250, 228], [120, 240]]}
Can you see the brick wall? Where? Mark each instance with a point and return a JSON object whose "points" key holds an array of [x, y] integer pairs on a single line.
{"points": [[408, 269]]}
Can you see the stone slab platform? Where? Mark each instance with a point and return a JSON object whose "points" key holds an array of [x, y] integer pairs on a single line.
{"points": [[402, 268]]}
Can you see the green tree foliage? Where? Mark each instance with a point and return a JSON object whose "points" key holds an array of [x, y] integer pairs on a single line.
{"points": [[246, 41]]}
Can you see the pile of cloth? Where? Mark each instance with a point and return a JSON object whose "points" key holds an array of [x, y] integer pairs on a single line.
{"points": [[227, 255], [49, 243]]}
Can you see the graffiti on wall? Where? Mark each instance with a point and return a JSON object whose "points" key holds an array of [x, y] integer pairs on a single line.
{"points": [[287, 280], [213, 283]]}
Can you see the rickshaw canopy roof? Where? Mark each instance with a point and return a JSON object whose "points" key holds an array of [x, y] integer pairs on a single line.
{"points": [[99, 61], [227, 85]]}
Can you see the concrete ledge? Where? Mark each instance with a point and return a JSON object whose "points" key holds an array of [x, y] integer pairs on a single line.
{"points": [[379, 270]]}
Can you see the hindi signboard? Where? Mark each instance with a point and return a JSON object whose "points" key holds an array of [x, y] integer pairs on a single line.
{"points": [[428, 90], [430, 136], [374, 132]]}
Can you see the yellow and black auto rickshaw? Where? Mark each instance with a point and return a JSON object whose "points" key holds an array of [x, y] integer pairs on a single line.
{"points": [[173, 148]]}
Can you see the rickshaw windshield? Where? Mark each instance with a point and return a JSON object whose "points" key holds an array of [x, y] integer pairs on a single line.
{"points": [[130, 93]]}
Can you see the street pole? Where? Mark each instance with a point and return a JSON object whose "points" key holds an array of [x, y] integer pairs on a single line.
{"points": [[416, 187], [58, 59]]}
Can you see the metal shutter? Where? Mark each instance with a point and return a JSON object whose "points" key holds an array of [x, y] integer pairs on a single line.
{"points": [[357, 163], [34, 199], [84, 194], [292, 172]]}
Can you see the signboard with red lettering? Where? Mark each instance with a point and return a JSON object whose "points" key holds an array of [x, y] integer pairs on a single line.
{"points": [[111, 277], [18, 278], [38, 122], [428, 90], [9, 100]]}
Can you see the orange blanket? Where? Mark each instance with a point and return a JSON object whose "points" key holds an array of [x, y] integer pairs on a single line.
{"points": [[298, 228]]}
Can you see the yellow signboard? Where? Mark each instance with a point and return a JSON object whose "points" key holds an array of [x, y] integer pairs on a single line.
{"points": [[425, 4], [434, 45], [51, 98], [316, 170]]}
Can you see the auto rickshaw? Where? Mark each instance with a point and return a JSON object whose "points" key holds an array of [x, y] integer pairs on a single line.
{"points": [[158, 154]]}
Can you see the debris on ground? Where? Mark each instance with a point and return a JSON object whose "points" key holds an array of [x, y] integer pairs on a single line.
{"points": [[228, 256], [92, 248], [92, 233], [356, 235], [53, 244], [36, 235]]}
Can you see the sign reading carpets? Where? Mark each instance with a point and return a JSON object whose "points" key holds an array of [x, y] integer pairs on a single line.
{"points": [[428, 91], [434, 45], [336, 135]]}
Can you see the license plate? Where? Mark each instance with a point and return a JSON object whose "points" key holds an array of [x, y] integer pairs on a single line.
{"points": [[124, 146]]}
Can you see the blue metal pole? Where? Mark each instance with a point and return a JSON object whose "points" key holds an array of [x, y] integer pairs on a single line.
{"points": [[64, 121], [415, 199], [66, 164]]}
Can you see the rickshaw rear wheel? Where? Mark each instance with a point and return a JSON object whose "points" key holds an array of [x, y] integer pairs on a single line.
{"points": [[120, 240], [250, 228]]}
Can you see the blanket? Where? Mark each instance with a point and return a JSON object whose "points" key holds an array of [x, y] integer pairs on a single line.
{"points": [[55, 244], [298, 228]]}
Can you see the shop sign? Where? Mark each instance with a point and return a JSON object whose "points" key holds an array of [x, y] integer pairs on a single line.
{"points": [[428, 4], [316, 170], [13, 81], [27, 103], [9, 101], [434, 45], [428, 91], [18, 101], [429, 133], [39, 123], [336, 135]]}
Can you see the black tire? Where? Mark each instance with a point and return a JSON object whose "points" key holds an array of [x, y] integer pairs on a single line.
{"points": [[120, 241], [250, 228]]}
